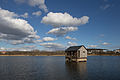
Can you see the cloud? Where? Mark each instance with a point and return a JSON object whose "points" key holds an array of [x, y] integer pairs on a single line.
{"points": [[2, 49], [25, 15], [63, 19], [68, 37], [16, 42], [30, 46], [39, 3], [23, 48], [6, 13], [104, 7], [72, 44], [61, 31], [92, 46], [14, 28], [38, 13], [105, 43], [53, 46], [48, 39], [25, 40]]}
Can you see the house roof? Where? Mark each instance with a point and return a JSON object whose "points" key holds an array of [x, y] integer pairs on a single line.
{"points": [[74, 48]]}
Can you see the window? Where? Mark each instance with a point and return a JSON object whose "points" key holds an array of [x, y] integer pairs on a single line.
{"points": [[78, 53], [83, 51]]}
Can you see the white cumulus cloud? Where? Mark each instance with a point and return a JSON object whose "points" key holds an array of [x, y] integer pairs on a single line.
{"points": [[25, 40], [48, 39], [23, 48], [105, 43], [39, 3], [63, 19], [15, 42], [25, 15], [14, 28], [68, 37], [2, 48], [53, 46], [92, 46], [37, 13], [62, 30], [72, 44]]}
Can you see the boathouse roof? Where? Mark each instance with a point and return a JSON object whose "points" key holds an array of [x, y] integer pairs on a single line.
{"points": [[74, 48]]}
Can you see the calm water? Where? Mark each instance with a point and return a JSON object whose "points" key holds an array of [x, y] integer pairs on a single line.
{"points": [[55, 68]]}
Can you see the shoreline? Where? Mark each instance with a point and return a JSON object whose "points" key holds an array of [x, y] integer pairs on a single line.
{"points": [[64, 55], [32, 55]]}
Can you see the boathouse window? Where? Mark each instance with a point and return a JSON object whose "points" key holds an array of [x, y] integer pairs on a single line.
{"points": [[68, 54], [78, 53], [72, 53], [83, 51]]}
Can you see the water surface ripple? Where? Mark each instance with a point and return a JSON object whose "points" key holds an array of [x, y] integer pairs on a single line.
{"points": [[55, 68]]}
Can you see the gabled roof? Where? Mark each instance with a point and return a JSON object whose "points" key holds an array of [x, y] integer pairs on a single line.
{"points": [[74, 48]]}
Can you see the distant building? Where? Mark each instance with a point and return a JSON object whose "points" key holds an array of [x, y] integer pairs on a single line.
{"points": [[117, 51], [96, 50], [76, 53]]}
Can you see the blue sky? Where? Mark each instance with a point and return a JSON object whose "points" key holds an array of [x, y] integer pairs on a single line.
{"points": [[54, 26]]}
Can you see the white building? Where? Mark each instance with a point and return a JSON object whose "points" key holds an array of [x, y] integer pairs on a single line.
{"points": [[117, 51], [76, 53]]}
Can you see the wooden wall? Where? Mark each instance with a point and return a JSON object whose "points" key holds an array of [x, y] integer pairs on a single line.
{"points": [[82, 52]]}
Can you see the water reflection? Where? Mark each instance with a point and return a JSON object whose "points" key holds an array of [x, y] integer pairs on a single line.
{"points": [[55, 68], [17, 68], [76, 71]]}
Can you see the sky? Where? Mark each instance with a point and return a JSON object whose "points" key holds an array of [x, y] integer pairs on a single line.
{"points": [[58, 24]]}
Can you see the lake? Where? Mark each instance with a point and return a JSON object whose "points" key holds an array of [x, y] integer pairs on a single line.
{"points": [[55, 68]]}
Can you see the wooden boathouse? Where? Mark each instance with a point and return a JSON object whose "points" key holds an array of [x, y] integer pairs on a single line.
{"points": [[76, 54]]}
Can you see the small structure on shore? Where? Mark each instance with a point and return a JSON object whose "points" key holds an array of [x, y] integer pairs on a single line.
{"points": [[117, 51], [96, 50], [76, 54]]}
